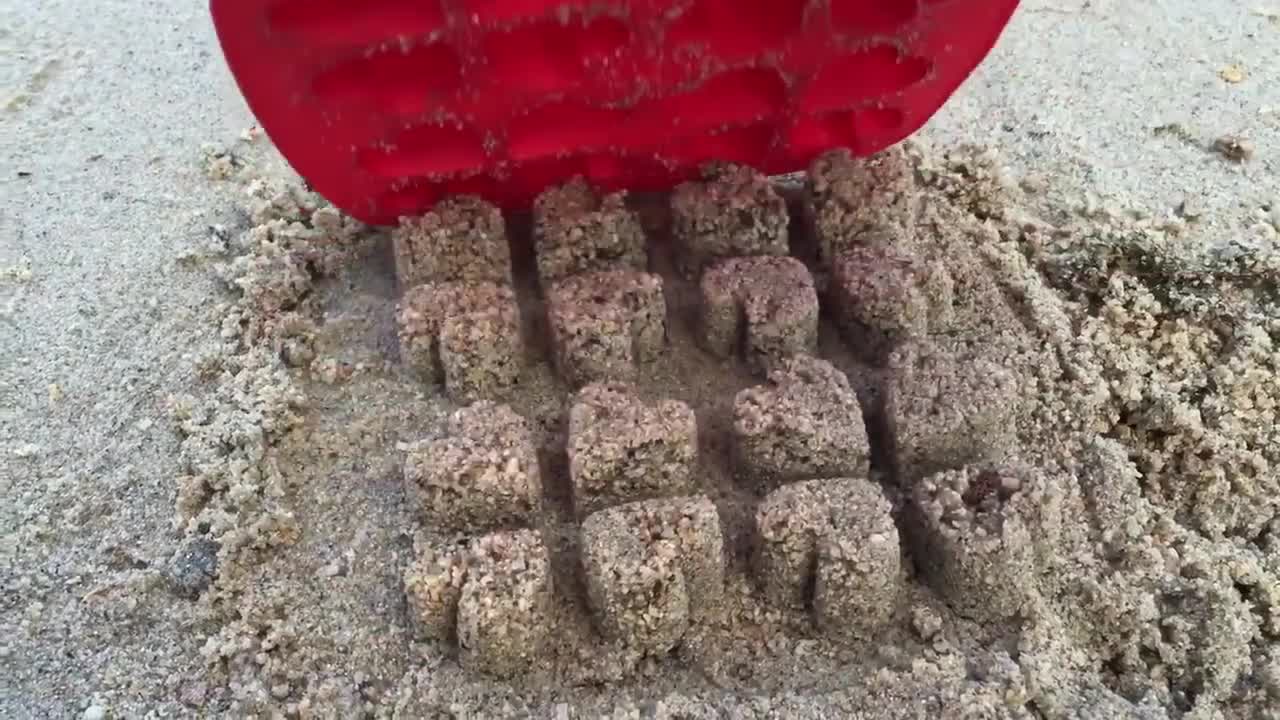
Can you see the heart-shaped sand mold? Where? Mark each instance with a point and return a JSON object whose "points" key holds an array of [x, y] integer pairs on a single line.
{"points": [[385, 106]]}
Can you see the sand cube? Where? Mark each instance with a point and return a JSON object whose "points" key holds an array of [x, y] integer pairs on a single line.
{"points": [[880, 295], [505, 607], [464, 335], [765, 307], [491, 597], [462, 239], [482, 475], [980, 529], [433, 585], [805, 423], [577, 231], [638, 592], [604, 323], [622, 448], [965, 299], [885, 296], [652, 568], [830, 546], [949, 404], [856, 202], [859, 565], [733, 212]]}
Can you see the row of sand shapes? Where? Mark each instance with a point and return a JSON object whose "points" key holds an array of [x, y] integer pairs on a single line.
{"points": [[575, 202]]}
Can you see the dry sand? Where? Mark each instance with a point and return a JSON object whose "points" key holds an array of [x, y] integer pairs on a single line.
{"points": [[203, 416]]}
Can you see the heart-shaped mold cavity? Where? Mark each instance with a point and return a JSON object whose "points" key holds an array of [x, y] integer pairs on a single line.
{"points": [[561, 129], [552, 57], [872, 17], [736, 97], [404, 80], [739, 145], [432, 150], [732, 29], [343, 22], [864, 75]]}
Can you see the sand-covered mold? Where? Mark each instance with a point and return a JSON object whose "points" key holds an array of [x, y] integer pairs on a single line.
{"points": [[890, 440]]}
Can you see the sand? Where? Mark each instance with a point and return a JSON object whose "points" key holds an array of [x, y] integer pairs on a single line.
{"points": [[180, 369]]}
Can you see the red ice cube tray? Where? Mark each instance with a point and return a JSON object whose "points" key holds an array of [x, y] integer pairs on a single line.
{"points": [[385, 106]]}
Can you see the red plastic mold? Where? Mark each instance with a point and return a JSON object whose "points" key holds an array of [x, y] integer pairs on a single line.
{"points": [[385, 106]]}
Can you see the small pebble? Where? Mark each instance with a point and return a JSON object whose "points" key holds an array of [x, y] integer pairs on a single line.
{"points": [[1233, 74], [951, 499], [926, 622], [1034, 184], [1233, 148], [94, 712], [1190, 208], [193, 567]]}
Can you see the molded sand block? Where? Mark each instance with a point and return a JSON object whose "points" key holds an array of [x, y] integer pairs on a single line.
{"points": [[603, 324], [462, 239], [637, 591], [653, 567], [899, 293], [433, 585], [981, 528], [734, 212], [859, 562], [765, 307], [623, 449], [805, 423], [880, 289], [835, 539], [483, 475], [576, 231], [464, 335], [964, 297], [853, 202], [949, 405], [504, 609]]}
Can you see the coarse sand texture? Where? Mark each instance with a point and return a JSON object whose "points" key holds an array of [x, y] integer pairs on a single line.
{"points": [[764, 308], [623, 449], [605, 324], [950, 404], [652, 567], [903, 438], [734, 212], [830, 546], [879, 293], [482, 476], [854, 203], [492, 598], [464, 336], [980, 529], [804, 423], [462, 239], [577, 231]]}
